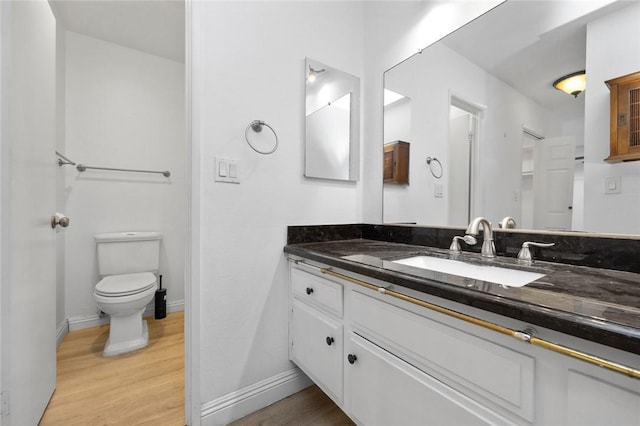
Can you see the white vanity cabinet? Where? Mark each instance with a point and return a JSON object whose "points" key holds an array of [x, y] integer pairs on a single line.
{"points": [[392, 362], [316, 330]]}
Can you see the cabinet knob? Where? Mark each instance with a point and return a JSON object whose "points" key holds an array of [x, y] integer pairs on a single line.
{"points": [[309, 290], [329, 340], [352, 359]]}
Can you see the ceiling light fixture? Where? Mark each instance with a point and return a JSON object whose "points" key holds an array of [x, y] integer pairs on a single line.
{"points": [[572, 84], [313, 74]]}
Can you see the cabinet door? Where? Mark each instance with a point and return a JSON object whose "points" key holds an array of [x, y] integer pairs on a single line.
{"points": [[595, 401], [384, 390], [624, 142], [628, 117], [432, 344], [396, 163], [316, 347]]}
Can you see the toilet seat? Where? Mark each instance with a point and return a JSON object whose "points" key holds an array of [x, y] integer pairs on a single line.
{"points": [[125, 285]]}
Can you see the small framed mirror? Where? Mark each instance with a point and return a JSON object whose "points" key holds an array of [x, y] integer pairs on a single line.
{"points": [[332, 122]]}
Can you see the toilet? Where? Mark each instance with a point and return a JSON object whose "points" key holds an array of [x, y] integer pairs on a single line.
{"points": [[127, 263]]}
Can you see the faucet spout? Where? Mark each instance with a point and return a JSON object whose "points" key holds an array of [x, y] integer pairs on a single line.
{"points": [[488, 247]]}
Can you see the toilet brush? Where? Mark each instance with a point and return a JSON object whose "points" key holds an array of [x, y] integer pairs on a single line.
{"points": [[161, 301]]}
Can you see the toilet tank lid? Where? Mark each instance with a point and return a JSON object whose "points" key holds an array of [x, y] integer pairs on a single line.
{"points": [[114, 237]]}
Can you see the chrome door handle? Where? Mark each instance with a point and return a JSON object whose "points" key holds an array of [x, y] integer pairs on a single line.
{"points": [[59, 219]]}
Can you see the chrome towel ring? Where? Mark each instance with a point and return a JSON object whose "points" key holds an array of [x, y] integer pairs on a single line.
{"points": [[256, 126], [434, 160]]}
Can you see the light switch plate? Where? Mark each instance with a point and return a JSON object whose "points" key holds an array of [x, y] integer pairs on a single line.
{"points": [[226, 170], [438, 190], [613, 185]]}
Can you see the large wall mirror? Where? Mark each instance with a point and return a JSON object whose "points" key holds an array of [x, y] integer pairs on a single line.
{"points": [[332, 113], [481, 101]]}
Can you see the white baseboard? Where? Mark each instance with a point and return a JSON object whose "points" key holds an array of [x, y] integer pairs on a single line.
{"points": [[86, 321], [238, 404], [94, 320], [63, 329]]}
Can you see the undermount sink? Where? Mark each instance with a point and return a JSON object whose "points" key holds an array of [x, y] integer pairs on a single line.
{"points": [[493, 274]]}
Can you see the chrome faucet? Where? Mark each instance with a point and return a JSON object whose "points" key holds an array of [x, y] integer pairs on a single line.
{"points": [[488, 248], [525, 254], [455, 245]]}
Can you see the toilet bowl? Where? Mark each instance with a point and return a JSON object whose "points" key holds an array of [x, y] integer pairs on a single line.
{"points": [[124, 298], [128, 263]]}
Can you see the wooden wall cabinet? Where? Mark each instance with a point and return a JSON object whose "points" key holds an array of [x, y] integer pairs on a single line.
{"points": [[625, 118], [396, 163]]}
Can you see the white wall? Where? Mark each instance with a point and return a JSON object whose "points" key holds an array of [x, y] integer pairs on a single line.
{"points": [[607, 58], [124, 109], [248, 64], [397, 121]]}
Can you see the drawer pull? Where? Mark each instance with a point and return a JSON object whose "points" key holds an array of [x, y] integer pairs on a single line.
{"points": [[309, 290], [329, 340], [352, 359]]}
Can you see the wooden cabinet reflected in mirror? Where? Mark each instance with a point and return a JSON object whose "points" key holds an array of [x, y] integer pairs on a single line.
{"points": [[625, 118], [396, 163]]}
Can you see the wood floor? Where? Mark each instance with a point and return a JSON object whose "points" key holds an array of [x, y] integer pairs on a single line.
{"points": [[311, 407], [145, 387]]}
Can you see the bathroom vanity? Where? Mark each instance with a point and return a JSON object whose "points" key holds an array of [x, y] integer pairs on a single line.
{"points": [[393, 343]]}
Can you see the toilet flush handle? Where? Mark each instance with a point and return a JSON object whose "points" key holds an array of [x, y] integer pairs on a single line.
{"points": [[59, 219]]}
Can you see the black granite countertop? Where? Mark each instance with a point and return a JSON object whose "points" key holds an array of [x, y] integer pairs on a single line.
{"points": [[600, 305]]}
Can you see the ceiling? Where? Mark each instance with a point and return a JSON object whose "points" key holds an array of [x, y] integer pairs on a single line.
{"points": [[156, 27], [522, 43]]}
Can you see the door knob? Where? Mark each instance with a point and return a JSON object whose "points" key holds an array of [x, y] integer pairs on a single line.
{"points": [[59, 219]]}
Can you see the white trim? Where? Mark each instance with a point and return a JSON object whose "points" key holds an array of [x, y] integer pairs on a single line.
{"points": [[237, 404], [63, 329], [192, 379], [95, 320], [86, 321], [5, 68]]}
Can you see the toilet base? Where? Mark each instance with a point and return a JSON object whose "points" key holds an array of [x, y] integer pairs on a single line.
{"points": [[121, 340]]}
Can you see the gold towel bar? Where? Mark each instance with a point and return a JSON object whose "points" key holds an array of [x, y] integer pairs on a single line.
{"points": [[520, 335]]}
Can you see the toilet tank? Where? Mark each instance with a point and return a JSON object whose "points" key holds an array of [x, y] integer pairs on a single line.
{"points": [[128, 252]]}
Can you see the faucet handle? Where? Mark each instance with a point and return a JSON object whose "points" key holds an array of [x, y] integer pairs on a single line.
{"points": [[507, 223], [455, 245], [525, 253]]}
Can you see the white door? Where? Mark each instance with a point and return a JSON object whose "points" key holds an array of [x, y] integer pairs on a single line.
{"points": [[553, 175], [461, 133], [28, 195]]}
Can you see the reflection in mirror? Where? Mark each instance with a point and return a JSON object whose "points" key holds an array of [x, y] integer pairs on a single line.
{"points": [[331, 122], [482, 101]]}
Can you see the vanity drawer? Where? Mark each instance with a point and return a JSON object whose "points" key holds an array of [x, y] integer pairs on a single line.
{"points": [[317, 291], [494, 373]]}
